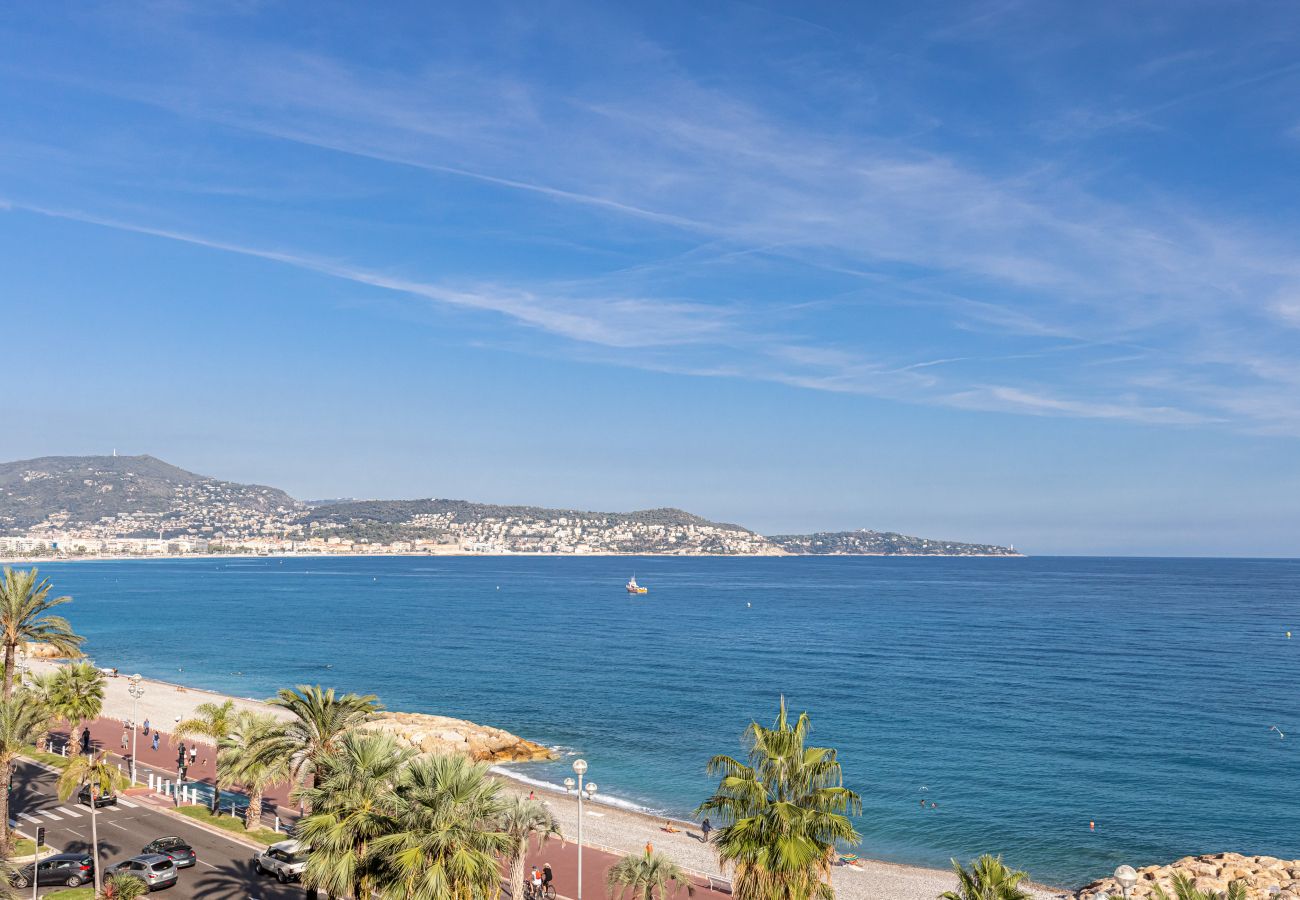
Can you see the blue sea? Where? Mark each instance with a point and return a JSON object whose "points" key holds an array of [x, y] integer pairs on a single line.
{"points": [[1025, 698]]}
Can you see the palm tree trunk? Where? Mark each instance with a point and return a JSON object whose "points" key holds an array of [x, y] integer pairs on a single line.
{"points": [[94, 836], [5, 836], [9, 676], [216, 796], [253, 815], [517, 875]]}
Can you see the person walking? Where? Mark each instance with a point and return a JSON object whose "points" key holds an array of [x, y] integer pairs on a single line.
{"points": [[124, 741], [155, 740], [146, 732], [706, 826], [194, 752]]}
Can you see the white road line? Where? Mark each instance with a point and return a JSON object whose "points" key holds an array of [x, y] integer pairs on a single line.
{"points": [[127, 803], [30, 818], [202, 863], [115, 825], [51, 815], [70, 811]]}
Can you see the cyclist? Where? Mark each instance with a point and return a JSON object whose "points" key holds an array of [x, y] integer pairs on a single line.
{"points": [[547, 878], [536, 883]]}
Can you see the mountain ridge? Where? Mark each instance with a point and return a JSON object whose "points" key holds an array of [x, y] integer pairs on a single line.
{"points": [[135, 496]]}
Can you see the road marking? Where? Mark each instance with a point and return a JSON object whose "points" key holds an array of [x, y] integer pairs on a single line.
{"points": [[202, 863], [70, 811], [29, 817], [49, 814], [115, 825], [127, 803]]}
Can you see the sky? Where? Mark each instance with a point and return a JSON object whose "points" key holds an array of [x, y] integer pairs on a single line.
{"points": [[1015, 272]]}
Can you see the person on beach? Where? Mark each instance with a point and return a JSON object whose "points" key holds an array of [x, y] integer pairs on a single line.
{"points": [[706, 826]]}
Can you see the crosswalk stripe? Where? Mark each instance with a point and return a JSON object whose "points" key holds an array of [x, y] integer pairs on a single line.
{"points": [[50, 814], [28, 816], [127, 803], [70, 811]]}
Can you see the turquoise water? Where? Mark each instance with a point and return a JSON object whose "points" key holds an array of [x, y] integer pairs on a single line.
{"points": [[1028, 696]]}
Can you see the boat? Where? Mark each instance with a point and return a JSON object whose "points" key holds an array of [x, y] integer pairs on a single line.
{"points": [[634, 588]]}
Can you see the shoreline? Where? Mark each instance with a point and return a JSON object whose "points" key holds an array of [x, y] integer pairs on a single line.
{"points": [[606, 825], [37, 560]]}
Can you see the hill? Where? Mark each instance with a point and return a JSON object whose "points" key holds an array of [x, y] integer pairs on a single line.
{"points": [[880, 543], [128, 495]]}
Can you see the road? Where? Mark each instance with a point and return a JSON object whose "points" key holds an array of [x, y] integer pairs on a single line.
{"points": [[224, 870]]}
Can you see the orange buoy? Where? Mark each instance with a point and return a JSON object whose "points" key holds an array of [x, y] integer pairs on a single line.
{"points": [[1092, 826]]}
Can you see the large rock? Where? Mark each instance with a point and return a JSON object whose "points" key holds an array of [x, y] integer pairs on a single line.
{"points": [[42, 651], [442, 734], [1209, 873]]}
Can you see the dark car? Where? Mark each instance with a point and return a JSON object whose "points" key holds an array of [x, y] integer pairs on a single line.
{"points": [[175, 849], [72, 869], [154, 869], [83, 796]]}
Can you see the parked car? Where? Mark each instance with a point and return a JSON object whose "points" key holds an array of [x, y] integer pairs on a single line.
{"points": [[71, 869], [176, 849], [284, 860], [154, 869], [83, 796]]}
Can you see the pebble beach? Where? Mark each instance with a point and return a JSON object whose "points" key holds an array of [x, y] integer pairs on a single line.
{"points": [[605, 826]]}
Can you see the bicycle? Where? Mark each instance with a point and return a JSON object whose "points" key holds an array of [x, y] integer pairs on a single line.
{"points": [[544, 892]]}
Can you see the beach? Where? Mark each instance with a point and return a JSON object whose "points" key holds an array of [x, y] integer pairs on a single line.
{"points": [[605, 826]]}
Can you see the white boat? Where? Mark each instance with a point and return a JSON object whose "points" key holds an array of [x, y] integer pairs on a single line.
{"points": [[634, 588]]}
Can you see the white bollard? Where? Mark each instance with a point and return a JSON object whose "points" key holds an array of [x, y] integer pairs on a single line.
{"points": [[150, 774], [277, 824]]}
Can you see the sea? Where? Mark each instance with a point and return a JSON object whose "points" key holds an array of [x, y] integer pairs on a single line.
{"points": [[1068, 713]]}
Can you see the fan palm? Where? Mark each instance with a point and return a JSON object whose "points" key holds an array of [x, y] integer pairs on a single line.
{"points": [[646, 877], [77, 694], [319, 720], [240, 760], [1185, 889], [121, 886], [447, 839], [103, 778], [782, 814], [525, 820], [214, 721], [987, 879], [23, 721], [352, 804], [25, 604]]}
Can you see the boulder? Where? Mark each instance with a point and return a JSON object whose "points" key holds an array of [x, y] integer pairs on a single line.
{"points": [[1213, 873], [442, 734]]}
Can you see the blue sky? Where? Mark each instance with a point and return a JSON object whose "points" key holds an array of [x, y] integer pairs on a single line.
{"points": [[1021, 272]]}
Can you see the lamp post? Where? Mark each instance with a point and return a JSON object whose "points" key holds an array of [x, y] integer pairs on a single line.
{"points": [[1127, 877], [136, 690], [580, 769]]}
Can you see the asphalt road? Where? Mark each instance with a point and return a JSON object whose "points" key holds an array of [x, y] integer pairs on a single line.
{"points": [[224, 870]]}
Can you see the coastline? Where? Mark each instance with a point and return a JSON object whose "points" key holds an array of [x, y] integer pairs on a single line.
{"points": [[461, 554], [606, 824]]}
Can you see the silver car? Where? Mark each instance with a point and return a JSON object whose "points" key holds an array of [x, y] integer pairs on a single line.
{"points": [[284, 860], [154, 869]]}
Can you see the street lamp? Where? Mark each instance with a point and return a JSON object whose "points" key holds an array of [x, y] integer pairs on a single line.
{"points": [[136, 690], [1127, 877], [580, 768]]}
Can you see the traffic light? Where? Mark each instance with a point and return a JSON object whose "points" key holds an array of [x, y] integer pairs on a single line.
{"points": [[40, 836]]}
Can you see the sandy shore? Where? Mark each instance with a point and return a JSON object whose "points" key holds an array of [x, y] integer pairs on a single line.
{"points": [[605, 826]]}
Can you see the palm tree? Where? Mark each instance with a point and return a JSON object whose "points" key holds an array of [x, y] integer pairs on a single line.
{"points": [[25, 604], [240, 761], [446, 840], [646, 877], [1185, 889], [987, 879], [23, 722], [523, 819], [77, 694], [214, 721], [782, 815], [121, 886], [319, 720], [352, 804], [95, 771]]}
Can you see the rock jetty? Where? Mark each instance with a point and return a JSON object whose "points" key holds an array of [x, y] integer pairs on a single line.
{"points": [[1211, 873], [42, 651], [442, 734]]}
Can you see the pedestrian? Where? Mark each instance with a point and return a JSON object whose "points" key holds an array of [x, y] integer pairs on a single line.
{"points": [[146, 732], [124, 740], [155, 740], [194, 751], [180, 755], [85, 740], [706, 826]]}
